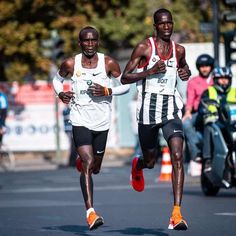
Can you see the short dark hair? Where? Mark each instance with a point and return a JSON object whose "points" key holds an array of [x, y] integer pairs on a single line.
{"points": [[160, 11], [89, 28]]}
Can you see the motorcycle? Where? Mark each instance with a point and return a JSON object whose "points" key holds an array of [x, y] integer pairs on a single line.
{"points": [[213, 173]]}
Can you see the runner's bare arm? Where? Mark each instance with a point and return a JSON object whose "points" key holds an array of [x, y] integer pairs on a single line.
{"points": [[183, 70], [113, 71], [139, 56], [112, 67], [67, 67], [66, 70]]}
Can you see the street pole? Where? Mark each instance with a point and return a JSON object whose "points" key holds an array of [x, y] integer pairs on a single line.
{"points": [[53, 70], [216, 36], [56, 40], [53, 50], [58, 144]]}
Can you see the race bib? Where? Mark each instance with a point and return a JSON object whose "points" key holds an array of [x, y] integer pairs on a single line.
{"points": [[82, 95], [163, 83]]}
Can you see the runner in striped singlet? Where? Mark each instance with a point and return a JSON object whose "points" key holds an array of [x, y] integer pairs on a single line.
{"points": [[158, 62]]}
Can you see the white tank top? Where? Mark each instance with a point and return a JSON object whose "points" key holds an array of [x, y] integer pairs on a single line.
{"points": [[87, 110], [161, 83]]}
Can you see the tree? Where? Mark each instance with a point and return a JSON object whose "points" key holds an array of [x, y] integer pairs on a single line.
{"points": [[121, 23], [24, 24]]}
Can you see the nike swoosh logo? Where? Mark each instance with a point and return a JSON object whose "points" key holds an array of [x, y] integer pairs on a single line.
{"points": [[177, 131], [95, 74], [99, 152]]}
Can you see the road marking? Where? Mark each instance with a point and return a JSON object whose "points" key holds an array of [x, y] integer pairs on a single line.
{"points": [[37, 203], [226, 214], [74, 189]]}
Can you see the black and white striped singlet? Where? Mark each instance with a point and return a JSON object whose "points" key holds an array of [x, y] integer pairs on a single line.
{"points": [[158, 98]]}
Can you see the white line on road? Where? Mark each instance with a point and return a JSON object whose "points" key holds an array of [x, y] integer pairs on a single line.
{"points": [[226, 214], [37, 203], [74, 189]]}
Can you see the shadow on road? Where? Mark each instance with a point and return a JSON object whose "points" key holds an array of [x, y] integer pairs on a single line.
{"points": [[76, 229], [138, 231], [83, 230]]}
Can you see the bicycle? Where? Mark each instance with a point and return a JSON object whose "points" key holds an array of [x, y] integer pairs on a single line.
{"points": [[7, 158]]}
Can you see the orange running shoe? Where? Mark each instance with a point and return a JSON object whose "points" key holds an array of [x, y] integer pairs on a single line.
{"points": [[136, 178], [177, 222], [79, 164], [94, 220]]}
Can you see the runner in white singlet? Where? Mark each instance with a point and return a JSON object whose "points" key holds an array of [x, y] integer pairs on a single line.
{"points": [[88, 110], [90, 74]]}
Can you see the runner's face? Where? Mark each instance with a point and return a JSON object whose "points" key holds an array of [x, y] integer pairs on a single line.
{"points": [[164, 26], [89, 43]]}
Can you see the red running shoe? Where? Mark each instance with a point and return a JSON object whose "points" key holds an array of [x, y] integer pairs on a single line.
{"points": [[136, 178], [79, 164]]}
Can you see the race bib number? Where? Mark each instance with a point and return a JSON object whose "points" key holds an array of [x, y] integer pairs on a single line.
{"points": [[82, 95], [162, 83]]}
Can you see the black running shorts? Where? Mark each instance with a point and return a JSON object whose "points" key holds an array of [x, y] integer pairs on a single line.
{"points": [[84, 136], [148, 134]]}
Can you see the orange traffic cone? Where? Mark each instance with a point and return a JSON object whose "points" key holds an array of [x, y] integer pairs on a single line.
{"points": [[166, 167]]}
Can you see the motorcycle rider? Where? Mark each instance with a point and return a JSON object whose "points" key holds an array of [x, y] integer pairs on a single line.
{"points": [[212, 110]]}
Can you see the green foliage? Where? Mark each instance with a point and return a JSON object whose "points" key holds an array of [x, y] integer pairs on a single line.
{"points": [[125, 25], [121, 23], [23, 26]]}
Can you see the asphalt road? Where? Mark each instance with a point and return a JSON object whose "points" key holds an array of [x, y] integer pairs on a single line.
{"points": [[36, 203]]}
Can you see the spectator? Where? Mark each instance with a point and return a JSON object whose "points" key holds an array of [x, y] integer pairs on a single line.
{"points": [[3, 114]]}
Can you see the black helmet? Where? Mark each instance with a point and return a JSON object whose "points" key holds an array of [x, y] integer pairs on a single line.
{"points": [[204, 60], [222, 72]]}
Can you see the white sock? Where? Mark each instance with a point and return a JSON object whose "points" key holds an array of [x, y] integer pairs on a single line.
{"points": [[89, 211]]}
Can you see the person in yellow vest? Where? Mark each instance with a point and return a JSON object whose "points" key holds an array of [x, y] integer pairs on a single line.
{"points": [[212, 110]]}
